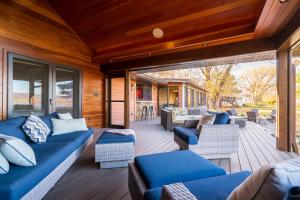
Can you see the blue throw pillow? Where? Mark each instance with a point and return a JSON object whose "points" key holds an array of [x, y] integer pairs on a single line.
{"points": [[36, 129], [221, 118]]}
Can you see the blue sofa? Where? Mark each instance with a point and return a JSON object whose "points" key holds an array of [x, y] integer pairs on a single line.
{"points": [[214, 188], [155, 170], [53, 159]]}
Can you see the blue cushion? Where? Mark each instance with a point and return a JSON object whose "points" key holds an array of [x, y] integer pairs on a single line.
{"points": [[20, 180], [108, 137], [189, 135], [47, 119], [13, 127], [165, 168], [215, 188], [79, 137], [221, 118]]}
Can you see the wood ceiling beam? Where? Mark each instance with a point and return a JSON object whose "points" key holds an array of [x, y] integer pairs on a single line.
{"points": [[197, 15], [234, 34], [225, 50], [274, 16], [197, 30]]}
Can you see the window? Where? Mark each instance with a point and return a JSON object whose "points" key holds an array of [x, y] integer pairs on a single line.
{"points": [[192, 99], [143, 92], [198, 98], [186, 97], [41, 87]]}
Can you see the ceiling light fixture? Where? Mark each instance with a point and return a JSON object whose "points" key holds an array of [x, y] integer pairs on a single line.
{"points": [[157, 33], [283, 1]]}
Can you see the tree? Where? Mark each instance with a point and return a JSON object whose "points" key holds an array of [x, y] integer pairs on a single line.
{"points": [[258, 83], [219, 82]]}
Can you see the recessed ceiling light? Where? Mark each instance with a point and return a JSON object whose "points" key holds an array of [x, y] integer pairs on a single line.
{"points": [[157, 33], [205, 44], [283, 1]]}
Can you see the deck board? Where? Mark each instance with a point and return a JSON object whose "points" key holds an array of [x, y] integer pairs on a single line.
{"points": [[84, 180]]}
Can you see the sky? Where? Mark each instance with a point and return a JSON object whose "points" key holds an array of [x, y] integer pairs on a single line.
{"points": [[250, 65]]}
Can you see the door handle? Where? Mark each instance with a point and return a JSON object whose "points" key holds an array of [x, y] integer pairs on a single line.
{"points": [[51, 102]]}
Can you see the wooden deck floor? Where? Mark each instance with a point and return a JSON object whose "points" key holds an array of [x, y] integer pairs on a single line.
{"points": [[84, 180]]}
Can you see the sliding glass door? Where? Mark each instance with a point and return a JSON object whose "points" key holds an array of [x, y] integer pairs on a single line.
{"points": [[41, 87]]}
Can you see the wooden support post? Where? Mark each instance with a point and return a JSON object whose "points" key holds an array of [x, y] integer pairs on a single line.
{"points": [[127, 100], [282, 125]]}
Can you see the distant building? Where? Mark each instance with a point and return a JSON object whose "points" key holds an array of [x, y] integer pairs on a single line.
{"points": [[147, 91]]}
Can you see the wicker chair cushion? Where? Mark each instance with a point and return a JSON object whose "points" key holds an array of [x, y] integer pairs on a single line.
{"points": [[108, 137], [207, 189], [20, 180], [172, 167], [189, 135]]}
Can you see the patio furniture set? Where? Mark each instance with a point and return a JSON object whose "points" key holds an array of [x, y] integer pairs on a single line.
{"points": [[187, 174], [254, 116]]}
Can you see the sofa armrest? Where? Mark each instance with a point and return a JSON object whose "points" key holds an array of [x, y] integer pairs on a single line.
{"points": [[176, 191]]}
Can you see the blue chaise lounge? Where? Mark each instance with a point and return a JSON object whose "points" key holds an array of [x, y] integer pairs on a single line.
{"points": [[156, 170], [53, 160]]}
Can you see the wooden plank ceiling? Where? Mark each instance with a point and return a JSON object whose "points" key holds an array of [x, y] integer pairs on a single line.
{"points": [[118, 30]]}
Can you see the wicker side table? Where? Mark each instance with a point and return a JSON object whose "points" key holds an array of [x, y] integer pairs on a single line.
{"points": [[112, 150]]}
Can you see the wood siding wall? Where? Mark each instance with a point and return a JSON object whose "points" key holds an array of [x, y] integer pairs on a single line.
{"points": [[33, 29]]}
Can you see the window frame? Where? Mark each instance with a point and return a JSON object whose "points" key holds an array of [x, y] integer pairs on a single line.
{"points": [[144, 85], [52, 67]]}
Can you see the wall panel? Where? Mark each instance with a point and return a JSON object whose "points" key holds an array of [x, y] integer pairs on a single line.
{"points": [[33, 29]]}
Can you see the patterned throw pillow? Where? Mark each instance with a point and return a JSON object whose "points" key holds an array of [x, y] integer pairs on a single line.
{"points": [[36, 129]]}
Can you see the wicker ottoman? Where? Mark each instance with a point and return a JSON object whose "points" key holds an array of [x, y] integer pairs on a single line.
{"points": [[113, 150]]}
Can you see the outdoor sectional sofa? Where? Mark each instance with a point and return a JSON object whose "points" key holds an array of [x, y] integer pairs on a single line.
{"points": [[182, 175], [212, 188], [53, 160], [168, 114], [153, 171]]}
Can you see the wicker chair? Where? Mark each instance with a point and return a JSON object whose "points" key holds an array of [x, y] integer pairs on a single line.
{"points": [[252, 116], [215, 141]]}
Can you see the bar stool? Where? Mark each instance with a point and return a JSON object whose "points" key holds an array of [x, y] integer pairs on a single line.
{"points": [[144, 113], [151, 112]]}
